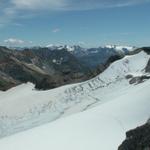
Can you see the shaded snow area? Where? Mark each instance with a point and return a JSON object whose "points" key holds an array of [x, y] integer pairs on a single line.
{"points": [[119, 106]]}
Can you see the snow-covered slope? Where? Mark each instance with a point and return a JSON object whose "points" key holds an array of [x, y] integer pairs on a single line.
{"points": [[100, 128], [23, 107]]}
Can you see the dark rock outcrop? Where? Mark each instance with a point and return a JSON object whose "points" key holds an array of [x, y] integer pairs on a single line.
{"points": [[145, 49], [137, 139], [147, 69], [138, 79]]}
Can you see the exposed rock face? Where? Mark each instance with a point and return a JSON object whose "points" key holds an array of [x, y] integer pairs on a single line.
{"points": [[39, 68], [147, 69], [6, 82], [145, 49], [137, 139], [138, 79]]}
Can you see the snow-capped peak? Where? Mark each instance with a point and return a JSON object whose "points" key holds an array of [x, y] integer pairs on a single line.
{"points": [[52, 47], [60, 47], [69, 48], [120, 48]]}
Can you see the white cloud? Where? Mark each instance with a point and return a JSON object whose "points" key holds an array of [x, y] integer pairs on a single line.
{"points": [[56, 30], [17, 24], [9, 11], [30, 42], [16, 42], [38, 4], [12, 9], [68, 4]]}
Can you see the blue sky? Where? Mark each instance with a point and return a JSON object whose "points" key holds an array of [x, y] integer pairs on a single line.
{"points": [[89, 23]]}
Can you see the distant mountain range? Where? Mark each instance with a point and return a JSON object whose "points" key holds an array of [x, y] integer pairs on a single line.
{"points": [[92, 57], [53, 66]]}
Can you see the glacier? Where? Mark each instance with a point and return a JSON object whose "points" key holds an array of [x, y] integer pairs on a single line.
{"points": [[24, 107]]}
